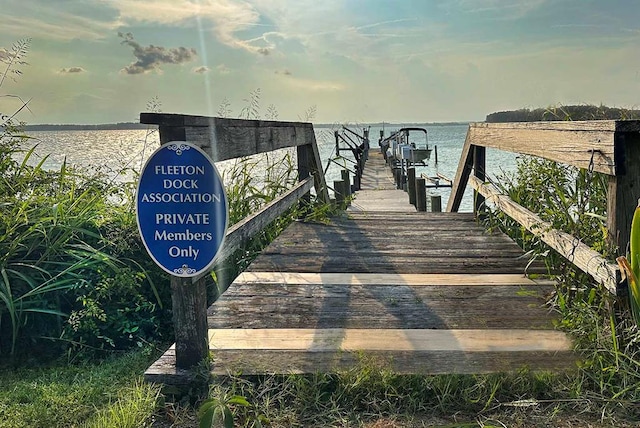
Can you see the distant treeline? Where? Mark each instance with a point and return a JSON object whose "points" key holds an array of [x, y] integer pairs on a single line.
{"points": [[101, 127], [576, 112]]}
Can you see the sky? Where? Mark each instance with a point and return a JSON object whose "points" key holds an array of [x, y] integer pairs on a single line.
{"points": [[328, 61]]}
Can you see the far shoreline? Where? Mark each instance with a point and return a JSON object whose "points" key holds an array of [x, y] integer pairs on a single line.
{"points": [[135, 126]]}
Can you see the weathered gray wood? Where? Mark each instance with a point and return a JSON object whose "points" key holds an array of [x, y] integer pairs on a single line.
{"points": [[382, 306], [421, 194], [411, 184], [586, 259], [224, 138], [574, 143], [479, 164], [436, 204], [471, 279], [462, 175], [189, 303], [309, 162], [624, 191], [240, 232], [248, 362]]}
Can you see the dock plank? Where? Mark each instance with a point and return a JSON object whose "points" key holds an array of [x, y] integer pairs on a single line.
{"points": [[425, 293]]}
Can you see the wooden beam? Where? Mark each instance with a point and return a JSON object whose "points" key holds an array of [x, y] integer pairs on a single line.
{"points": [[249, 226], [623, 191], [189, 303], [338, 339], [462, 175], [479, 171], [393, 279], [224, 139], [581, 255], [574, 143]]}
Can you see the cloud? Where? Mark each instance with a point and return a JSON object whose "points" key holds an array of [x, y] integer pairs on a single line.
{"points": [[151, 58], [315, 85], [228, 17], [72, 70], [223, 69], [201, 70]]}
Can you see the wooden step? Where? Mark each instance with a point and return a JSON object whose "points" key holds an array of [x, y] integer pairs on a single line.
{"points": [[281, 351], [388, 279]]}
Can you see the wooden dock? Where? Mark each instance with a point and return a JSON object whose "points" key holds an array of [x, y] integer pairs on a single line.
{"points": [[427, 293]]}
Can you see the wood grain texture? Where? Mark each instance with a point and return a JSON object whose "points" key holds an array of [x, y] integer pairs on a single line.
{"points": [[224, 138], [284, 278], [338, 339], [252, 362], [462, 175], [425, 293], [573, 143], [578, 253]]}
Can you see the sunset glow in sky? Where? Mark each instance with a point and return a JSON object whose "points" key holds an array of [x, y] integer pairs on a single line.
{"points": [[102, 61]]}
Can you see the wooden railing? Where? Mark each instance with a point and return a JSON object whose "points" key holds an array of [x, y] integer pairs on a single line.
{"points": [[224, 139], [610, 147]]}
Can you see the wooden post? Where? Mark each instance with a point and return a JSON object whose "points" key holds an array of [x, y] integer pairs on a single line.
{"points": [[398, 177], [346, 177], [411, 185], [338, 188], [435, 149], [421, 194], [189, 304], [436, 204], [624, 189], [188, 298], [479, 161], [309, 163], [337, 136]]}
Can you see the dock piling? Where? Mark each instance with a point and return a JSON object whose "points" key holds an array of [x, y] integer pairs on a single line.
{"points": [[421, 194], [411, 185], [436, 204]]}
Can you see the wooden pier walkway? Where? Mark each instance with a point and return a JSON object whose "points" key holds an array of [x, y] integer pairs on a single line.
{"points": [[427, 293]]}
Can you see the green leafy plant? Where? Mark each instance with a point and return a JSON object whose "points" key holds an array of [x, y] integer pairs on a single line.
{"points": [[632, 269], [218, 411]]}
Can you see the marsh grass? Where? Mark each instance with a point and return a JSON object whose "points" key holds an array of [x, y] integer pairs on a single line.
{"points": [[574, 200]]}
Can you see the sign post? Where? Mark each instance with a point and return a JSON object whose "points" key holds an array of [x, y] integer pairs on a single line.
{"points": [[182, 214]]}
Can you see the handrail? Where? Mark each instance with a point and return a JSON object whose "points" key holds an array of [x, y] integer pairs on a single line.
{"points": [[578, 253], [224, 139], [611, 147]]}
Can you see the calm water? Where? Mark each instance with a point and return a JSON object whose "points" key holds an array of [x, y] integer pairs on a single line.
{"points": [[113, 150]]}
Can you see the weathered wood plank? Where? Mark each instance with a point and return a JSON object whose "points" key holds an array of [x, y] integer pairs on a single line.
{"points": [[356, 306], [281, 278], [256, 362], [623, 191], [323, 340], [586, 259], [250, 226], [574, 143], [224, 138], [304, 263], [462, 175]]}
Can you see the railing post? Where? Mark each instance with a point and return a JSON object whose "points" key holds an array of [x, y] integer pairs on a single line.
{"points": [[309, 163], [624, 189], [188, 298], [436, 204], [479, 164], [346, 177], [411, 185], [421, 194]]}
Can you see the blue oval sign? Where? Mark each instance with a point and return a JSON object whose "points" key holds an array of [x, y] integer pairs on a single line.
{"points": [[182, 209]]}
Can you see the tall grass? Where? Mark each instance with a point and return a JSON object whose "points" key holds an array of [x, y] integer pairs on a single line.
{"points": [[608, 340]]}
